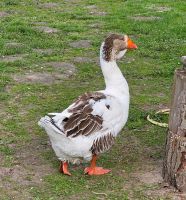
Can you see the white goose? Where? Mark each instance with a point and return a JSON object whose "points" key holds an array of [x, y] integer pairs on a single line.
{"points": [[89, 126]]}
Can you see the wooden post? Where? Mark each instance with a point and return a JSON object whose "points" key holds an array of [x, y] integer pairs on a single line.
{"points": [[174, 166]]}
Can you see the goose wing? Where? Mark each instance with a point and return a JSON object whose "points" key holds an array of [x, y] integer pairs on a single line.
{"points": [[86, 115]]}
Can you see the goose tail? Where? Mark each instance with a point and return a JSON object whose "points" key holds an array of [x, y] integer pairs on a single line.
{"points": [[49, 125]]}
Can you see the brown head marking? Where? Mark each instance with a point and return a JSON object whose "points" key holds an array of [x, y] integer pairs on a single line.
{"points": [[114, 42]]}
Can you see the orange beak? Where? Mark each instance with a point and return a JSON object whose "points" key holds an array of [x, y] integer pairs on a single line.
{"points": [[131, 44]]}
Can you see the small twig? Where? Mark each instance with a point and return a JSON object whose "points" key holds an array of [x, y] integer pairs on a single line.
{"points": [[100, 193], [163, 111]]}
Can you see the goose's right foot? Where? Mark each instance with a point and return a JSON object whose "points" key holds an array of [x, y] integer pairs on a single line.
{"points": [[64, 168]]}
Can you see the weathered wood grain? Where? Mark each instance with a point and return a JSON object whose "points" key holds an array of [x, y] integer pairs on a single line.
{"points": [[174, 166]]}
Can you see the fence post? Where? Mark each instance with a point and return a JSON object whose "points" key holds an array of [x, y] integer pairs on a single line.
{"points": [[174, 166]]}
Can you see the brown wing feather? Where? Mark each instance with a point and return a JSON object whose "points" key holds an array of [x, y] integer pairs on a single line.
{"points": [[82, 122], [102, 144]]}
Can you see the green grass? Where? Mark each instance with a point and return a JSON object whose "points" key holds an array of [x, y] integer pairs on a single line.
{"points": [[149, 74]]}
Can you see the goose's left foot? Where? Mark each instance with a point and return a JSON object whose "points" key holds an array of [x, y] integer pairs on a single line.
{"points": [[93, 170], [96, 171], [64, 168]]}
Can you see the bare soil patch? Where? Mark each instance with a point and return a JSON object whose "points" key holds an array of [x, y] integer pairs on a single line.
{"points": [[165, 192], [43, 51], [160, 8], [91, 7], [46, 29], [39, 23], [95, 25], [72, 1], [149, 177], [44, 78], [63, 70], [2, 159], [20, 175], [29, 171], [96, 61], [98, 13], [12, 58], [49, 5], [13, 45], [93, 10], [3, 14], [67, 69], [83, 60], [81, 44], [4, 171], [155, 107], [145, 18], [127, 60], [30, 158]]}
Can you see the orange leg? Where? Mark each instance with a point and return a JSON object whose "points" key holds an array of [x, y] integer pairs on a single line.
{"points": [[64, 168], [93, 170]]}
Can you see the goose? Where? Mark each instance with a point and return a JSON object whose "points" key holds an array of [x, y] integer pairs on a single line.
{"points": [[89, 126]]}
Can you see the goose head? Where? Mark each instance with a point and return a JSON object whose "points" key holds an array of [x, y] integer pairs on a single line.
{"points": [[115, 46]]}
